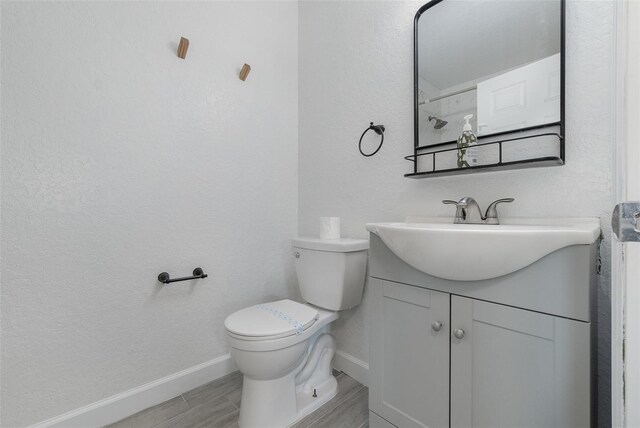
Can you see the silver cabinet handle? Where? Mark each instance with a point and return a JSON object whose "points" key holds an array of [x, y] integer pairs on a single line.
{"points": [[436, 326], [458, 333]]}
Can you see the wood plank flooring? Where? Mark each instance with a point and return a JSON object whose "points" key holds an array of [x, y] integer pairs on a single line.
{"points": [[217, 405]]}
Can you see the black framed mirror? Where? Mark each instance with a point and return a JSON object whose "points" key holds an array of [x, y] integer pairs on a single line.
{"points": [[496, 64]]}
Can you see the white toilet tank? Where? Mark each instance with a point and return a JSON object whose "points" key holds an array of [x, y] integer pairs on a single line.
{"points": [[331, 272]]}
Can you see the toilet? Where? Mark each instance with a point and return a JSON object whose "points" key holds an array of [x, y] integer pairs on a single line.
{"points": [[282, 348]]}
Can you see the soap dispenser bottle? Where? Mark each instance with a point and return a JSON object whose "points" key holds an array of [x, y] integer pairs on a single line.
{"points": [[467, 150]]}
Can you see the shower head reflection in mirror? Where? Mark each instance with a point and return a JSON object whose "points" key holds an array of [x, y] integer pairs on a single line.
{"points": [[439, 123]]}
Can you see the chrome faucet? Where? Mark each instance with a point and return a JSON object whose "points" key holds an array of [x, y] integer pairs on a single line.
{"points": [[468, 211]]}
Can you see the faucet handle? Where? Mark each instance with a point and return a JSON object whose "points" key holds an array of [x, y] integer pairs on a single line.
{"points": [[492, 211], [449, 202]]}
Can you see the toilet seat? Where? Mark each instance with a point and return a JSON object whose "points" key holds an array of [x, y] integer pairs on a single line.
{"points": [[273, 320]]}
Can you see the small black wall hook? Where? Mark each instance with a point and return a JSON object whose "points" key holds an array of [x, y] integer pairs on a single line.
{"points": [[378, 129], [197, 273]]}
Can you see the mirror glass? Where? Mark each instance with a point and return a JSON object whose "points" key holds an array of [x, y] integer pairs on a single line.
{"points": [[499, 61]]}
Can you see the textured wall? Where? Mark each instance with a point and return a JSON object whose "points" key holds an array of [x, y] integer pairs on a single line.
{"points": [[119, 161], [356, 66]]}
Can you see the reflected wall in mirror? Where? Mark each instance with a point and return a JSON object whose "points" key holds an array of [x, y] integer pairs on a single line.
{"points": [[500, 61]]}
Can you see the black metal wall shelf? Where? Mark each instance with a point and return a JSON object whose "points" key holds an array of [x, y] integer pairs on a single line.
{"points": [[500, 165], [530, 163], [544, 128]]}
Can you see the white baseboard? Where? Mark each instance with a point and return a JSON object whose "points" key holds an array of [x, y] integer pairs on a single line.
{"points": [[347, 363], [127, 403]]}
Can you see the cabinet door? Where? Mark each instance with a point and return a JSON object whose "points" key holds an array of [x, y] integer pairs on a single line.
{"points": [[517, 368], [409, 362]]}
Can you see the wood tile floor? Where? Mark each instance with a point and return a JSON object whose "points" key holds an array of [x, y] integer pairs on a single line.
{"points": [[217, 405]]}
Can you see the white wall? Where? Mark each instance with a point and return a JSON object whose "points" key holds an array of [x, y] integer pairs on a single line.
{"points": [[119, 161], [356, 64]]}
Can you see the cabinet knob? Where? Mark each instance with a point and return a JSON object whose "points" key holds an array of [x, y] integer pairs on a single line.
{"points": [[436, 326], [458, 333]]}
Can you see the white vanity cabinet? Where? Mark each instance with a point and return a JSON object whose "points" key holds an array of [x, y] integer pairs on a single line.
{"points": [[443, 354]]}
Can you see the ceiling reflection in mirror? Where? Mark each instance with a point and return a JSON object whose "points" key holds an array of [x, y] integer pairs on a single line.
{"points": [[499, 61]]}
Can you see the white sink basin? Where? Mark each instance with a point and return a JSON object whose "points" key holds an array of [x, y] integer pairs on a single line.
{"points": [[470, 252]]}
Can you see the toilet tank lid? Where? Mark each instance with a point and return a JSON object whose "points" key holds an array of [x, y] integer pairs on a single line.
{"points": [[342, 245]]}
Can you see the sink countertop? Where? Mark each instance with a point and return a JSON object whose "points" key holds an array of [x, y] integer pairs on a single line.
{"points": [[471, 252]]}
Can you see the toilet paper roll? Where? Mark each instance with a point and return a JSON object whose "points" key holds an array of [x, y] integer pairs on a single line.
{"points": [[329, 227]]}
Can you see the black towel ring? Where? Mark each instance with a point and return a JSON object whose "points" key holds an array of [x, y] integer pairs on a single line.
{"points": [[378, 129]]}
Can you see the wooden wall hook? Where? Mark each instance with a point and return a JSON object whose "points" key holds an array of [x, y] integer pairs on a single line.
{"points": [[182, 47], [245, 72]]}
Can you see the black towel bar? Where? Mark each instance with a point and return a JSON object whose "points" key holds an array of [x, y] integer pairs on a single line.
{"points": [[197, 274]]}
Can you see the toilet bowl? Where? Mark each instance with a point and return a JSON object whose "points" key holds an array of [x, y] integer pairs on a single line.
{"points": [[282, 348]]}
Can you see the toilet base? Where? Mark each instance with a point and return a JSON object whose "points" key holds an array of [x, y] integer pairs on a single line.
{"points": [[307, 403], [284, 406], [279, 403], [268, 403]]}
